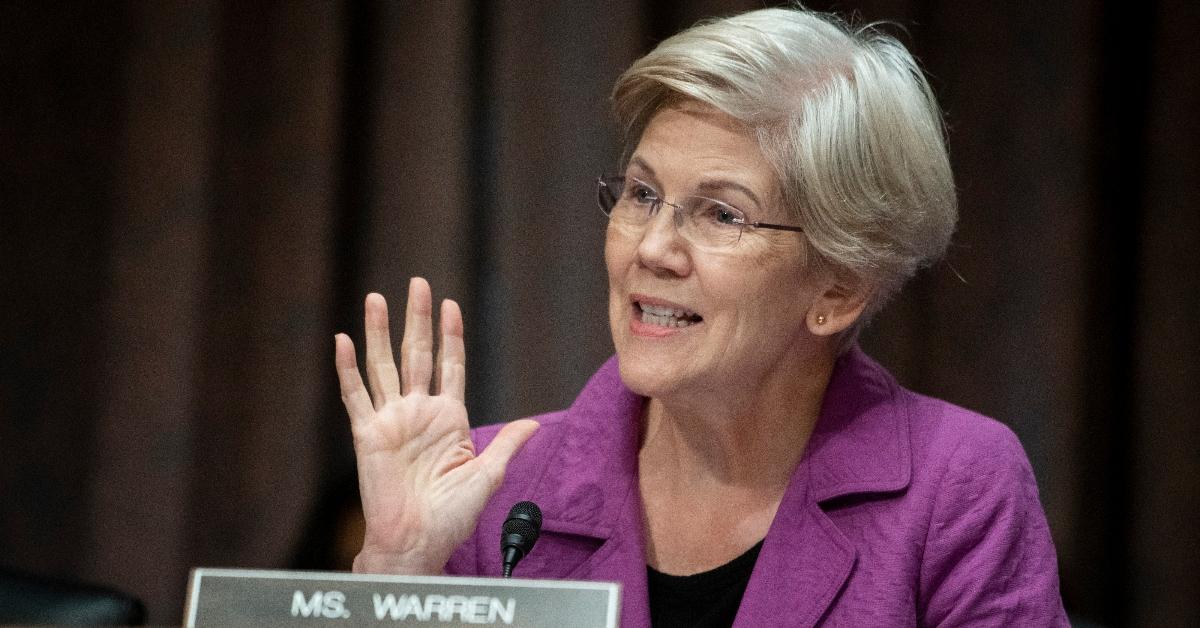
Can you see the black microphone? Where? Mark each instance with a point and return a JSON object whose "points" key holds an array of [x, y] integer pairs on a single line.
{"points": [[519, 533]]}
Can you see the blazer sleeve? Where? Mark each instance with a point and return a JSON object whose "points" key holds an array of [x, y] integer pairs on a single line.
{"points": [[988, 558]]}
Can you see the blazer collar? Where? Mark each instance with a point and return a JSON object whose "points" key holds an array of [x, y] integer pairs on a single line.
{"points": [[861, 441]]}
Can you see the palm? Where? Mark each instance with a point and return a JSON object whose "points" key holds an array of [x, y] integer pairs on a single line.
{"points": [[415, 443], [422, 484]]}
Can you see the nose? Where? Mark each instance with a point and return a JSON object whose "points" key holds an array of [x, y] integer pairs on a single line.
{"points": [[662, 249]]}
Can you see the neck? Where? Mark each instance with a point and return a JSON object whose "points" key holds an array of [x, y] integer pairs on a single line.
{"points": [[737, 438]]}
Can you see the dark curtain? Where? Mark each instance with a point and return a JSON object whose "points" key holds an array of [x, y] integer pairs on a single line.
{"points": [[195, 196]]}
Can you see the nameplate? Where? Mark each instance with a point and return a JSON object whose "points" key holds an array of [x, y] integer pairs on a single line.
{"points": [[253, 597]]}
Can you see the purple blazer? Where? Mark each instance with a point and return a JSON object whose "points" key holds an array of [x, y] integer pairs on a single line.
{"points": [[903, 511]]}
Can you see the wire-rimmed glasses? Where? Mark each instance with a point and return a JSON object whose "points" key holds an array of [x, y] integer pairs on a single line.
{"points": [[705, 222]]}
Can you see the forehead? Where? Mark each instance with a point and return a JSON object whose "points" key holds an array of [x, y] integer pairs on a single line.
{"points": [[688, 143]]}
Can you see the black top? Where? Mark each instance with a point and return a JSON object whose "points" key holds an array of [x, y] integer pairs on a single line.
{"points": [[705, 600]]}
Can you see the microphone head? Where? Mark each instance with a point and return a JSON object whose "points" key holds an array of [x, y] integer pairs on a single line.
{"points": [[528, 511], [521, 529], [525, 529]]}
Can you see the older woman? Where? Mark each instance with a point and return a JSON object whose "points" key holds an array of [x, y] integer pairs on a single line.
{"points": [[740, 460]]}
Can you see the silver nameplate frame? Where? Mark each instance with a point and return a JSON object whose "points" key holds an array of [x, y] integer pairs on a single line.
{"points": [[257, 597]]}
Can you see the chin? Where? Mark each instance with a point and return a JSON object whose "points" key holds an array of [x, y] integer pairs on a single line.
{"points": [[648, 377], [638, 381]]}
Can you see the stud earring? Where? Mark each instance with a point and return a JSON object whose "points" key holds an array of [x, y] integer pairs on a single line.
{"points": [[820, 319]]}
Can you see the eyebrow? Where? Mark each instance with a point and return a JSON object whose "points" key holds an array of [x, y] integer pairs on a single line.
{"points": [[713, 185]]}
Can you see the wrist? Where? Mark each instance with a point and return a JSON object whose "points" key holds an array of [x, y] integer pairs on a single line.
{"points": [[406, 564]]}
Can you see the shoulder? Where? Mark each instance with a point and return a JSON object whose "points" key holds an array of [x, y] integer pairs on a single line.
{"points": [[987, 555], [969, 471], [874, 436], [967, 466], [948, 436], [877, 437]]}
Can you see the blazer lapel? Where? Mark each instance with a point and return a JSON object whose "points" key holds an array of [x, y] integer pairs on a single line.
{"points": [[804, 562], [860, 445]]}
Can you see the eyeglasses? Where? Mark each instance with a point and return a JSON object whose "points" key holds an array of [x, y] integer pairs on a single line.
{"points": [[705, 222]]}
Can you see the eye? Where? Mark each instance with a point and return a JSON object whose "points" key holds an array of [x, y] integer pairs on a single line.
{"points": [[640, 192], [719, 213]]}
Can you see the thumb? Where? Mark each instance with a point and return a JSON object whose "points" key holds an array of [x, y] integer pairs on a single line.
{"points": [[494, 459]]}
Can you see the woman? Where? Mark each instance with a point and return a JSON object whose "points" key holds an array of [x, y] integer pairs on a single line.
{"points": [[739, 460]]}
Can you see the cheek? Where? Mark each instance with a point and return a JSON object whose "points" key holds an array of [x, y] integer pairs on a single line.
{"points": [[772, 299], [619, 252], [614, 257], [609, 254]]}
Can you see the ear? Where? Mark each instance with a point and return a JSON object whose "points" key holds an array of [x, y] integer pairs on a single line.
{"points": [[838, 306]]}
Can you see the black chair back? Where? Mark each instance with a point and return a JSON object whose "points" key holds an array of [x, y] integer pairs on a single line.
{"points": [[34, 600]]}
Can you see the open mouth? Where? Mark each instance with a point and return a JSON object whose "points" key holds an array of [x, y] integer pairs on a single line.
{"points": [[665, 316]]}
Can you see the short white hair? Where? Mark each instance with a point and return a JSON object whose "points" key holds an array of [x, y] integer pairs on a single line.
{"points": [[845, 116]]}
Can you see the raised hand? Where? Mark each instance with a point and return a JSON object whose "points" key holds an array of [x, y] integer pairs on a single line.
{"points": [[422, 484]]}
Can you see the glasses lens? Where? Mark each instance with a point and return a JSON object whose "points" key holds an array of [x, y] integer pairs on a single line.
{"points": [[626, 201], [705, 222], [608, 192], [712, 223]]}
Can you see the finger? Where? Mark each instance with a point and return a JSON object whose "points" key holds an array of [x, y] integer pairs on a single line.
{"points": [[508, 441], [452, 353], [381, 366], [416, 352], [354, 395]]}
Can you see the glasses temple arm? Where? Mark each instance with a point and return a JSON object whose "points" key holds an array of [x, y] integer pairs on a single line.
{"points": [[767, 225]]}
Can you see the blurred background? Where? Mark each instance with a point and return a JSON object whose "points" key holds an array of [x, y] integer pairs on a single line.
{"points": [[195, 196]]}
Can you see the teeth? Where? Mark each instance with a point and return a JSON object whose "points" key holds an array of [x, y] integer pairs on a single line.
{"points": [[664, 311], [665, 316], [665, 321]]}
